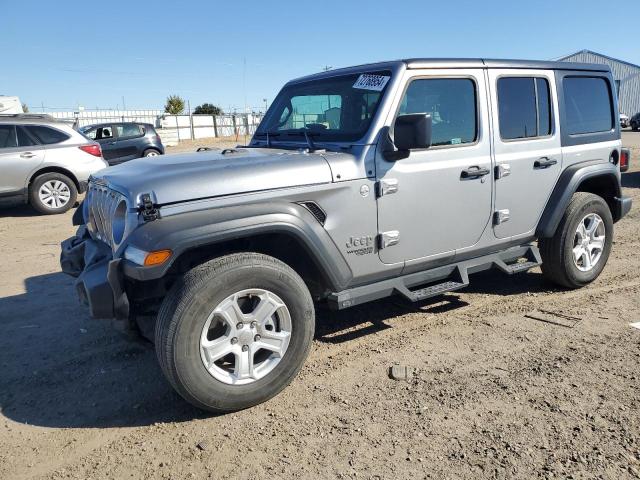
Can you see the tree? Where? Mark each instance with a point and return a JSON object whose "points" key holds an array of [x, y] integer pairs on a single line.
{"points": [[25, 109], [174, 105], [208, 109]]}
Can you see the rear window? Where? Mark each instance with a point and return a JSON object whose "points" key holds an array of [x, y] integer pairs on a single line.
{"points": [[8, 136], [588, 104], [46, 135]]}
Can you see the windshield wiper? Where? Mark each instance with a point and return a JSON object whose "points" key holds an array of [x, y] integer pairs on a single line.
{"points": [[269, 135], [307, 136]]}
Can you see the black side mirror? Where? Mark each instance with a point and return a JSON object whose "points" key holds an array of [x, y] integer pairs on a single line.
{"points": [[410, 132]]}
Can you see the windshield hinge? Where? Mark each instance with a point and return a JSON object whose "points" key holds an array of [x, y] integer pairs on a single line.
{"points": [[147, 208]]}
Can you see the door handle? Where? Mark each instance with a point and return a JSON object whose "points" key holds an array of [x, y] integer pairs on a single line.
{"points": [[474, 172], [27, 155], [544, 162]]}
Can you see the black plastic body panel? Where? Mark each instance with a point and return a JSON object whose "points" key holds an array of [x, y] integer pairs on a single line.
{"points": [[569, 183], [182, 232]]}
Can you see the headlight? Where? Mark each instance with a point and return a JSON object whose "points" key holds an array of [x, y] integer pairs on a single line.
{"points": [[119, 222]]}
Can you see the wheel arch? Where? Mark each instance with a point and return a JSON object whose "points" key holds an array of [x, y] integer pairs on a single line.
{"points": [[602, 179], [55, 169]]}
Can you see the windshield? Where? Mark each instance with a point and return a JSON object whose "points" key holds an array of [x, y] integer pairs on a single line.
{"points": [[332, 109]]}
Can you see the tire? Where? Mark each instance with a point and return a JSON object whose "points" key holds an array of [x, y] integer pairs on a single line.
{"points": [[558, 264], [634, 126], [187, 310], [52, 193], [151, 152]]}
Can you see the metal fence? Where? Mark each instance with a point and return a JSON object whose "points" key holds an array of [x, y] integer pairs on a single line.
{"points": [[172, 128]]}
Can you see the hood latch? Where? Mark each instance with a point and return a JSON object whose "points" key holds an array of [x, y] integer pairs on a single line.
{"points": [[147, 209]]}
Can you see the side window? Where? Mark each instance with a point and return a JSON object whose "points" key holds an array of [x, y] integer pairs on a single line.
{"points": [[524, 107], [129, 130], [452, 104], [8, 136], [588, 103], [91, 133], [46, 135], [24, 140]]}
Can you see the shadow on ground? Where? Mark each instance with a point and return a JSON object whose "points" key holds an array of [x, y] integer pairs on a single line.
{"points": [[62, 369]]}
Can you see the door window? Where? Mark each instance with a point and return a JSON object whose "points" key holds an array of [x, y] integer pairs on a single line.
{"points": [[8, 136], [588, 104], [24, 140], [452, 104], [129, 130], [46, 135], [98, 133], [524, 107]]}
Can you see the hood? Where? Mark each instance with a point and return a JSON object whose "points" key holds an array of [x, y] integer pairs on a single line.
{"points": [[183, 177]]}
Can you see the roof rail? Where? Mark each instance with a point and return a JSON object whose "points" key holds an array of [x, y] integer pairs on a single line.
{"points": [[35, 116]]}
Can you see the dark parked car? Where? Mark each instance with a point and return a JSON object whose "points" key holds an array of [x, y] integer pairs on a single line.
{"points": [[125, 141], [635, 122]]}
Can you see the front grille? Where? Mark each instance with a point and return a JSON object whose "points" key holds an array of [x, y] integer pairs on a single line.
{"points": [[102, 203]]}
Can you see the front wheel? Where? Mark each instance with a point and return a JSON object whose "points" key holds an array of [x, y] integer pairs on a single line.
{"points": [[578, 251], [233, 332]]}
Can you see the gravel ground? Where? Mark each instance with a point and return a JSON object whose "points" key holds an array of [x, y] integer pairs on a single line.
{"points": [[493, 393]]}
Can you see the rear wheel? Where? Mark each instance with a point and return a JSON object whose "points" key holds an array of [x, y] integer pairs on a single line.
{"points": [[52, 193], [579, 250], [234, 331], [150, 152]]}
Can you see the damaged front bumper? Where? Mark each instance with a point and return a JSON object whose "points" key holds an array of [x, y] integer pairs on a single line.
{"points": [[100, 282]]}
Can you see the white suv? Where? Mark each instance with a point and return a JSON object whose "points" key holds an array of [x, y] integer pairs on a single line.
{"points": [[44, 162]]}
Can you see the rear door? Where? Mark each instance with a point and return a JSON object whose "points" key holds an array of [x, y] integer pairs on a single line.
{"points": [[20, 154], [527, 147], [129, 138], [441, 200]]}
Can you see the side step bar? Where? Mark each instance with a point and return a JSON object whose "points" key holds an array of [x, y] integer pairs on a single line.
{"points": [[434, 282]]}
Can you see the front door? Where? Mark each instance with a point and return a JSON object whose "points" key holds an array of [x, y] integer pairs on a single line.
{"points": [[105, 136], [527, 147], [443, 197]]}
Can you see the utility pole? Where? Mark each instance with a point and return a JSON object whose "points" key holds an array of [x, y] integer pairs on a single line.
{"points": [[326, 68]]}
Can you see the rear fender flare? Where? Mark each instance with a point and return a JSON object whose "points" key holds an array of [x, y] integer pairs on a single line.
{"points": [[568, 184]]}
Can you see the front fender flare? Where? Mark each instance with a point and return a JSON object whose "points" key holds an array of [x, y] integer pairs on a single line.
{"points": [[568, 184], [186, 231]]}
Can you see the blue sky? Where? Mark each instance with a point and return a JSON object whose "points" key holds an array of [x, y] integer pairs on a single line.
{"points": [[233, 53]]}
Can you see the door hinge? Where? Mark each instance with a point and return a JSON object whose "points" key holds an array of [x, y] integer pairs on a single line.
{"points": [[500, 216], [503, 170], [387, 186], [388, 239], [147, 209]]}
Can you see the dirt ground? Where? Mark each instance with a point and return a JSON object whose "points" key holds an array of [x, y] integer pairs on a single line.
{"points": [[494, 394]]}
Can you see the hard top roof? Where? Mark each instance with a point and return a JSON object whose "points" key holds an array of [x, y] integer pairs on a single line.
{"points": [[452, 63]]}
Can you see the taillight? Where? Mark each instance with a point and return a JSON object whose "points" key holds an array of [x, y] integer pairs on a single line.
{"points": [[625, 153], [93, 149]]}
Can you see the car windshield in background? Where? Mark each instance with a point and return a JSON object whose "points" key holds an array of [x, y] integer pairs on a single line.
{"points": [[333, 109]]}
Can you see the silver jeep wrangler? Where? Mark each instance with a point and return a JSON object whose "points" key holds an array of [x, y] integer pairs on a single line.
{"points": [[396, 178]]}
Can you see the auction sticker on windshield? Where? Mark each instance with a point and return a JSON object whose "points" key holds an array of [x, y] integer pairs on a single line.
{"points": [[368, 81]]}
